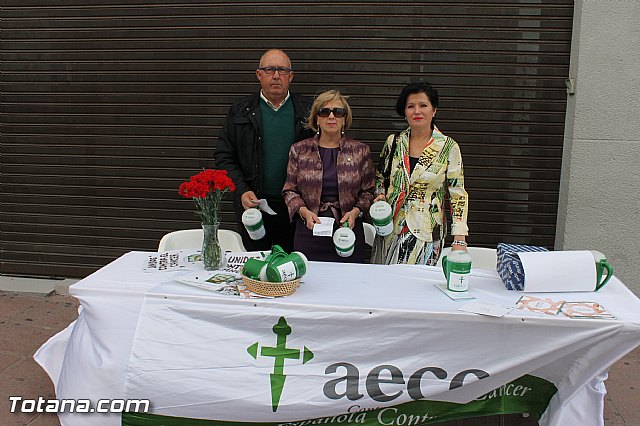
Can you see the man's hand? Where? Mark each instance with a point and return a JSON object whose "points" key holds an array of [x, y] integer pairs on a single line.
{"points": [[249, 200]]}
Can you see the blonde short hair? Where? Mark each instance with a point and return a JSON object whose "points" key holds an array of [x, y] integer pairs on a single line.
{"points": [[321, 100]]}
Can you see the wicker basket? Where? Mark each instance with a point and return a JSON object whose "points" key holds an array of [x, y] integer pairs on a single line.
{"points": [[265, 288]]}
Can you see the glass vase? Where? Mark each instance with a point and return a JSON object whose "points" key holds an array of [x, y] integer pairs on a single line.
{"points": [[211, 252]]}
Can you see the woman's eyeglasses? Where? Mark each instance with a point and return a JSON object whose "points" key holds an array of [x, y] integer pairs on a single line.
{"points": [[272, 70], [337, 112]]}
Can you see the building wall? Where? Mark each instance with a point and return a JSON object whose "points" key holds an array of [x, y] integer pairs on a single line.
{"points": [[599, 205]]}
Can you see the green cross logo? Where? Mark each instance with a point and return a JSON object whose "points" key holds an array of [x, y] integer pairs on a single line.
{"points": [[280, 353]]}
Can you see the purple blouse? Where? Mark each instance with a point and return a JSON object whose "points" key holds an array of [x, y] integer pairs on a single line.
{"points": [[329, 157]]}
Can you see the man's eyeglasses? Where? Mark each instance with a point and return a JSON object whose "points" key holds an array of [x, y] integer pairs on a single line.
{"points": [[337, 112], [272, 70]]}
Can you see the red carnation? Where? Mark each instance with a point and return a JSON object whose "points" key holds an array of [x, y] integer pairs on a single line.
{"points": [[206, 189]]}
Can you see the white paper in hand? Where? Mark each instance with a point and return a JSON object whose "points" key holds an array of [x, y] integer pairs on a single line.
{"points": [[264, 206], [324, 228]]}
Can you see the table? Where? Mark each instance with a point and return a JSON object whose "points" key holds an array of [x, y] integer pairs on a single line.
{"points": [[363, 344]]}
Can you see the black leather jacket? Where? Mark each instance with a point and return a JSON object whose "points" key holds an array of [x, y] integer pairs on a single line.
{"points": [[239, 149]]}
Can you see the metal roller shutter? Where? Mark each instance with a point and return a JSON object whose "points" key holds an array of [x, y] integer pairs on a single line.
{"points": [[107, 106]]}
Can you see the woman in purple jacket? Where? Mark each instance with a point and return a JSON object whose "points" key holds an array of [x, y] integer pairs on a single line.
{"points": [[329, 175]]}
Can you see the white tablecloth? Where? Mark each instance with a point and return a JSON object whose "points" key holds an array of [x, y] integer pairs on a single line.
{"points": [[199, 355]]}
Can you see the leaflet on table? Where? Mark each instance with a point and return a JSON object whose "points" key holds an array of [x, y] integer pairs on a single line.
{"points": [[455, 295], [234, 261], [174, 260], [591, 310], [227, 280], [171, 260], [229, 273], [571, 309], [233, 288], [539, 305], [485, 308], [221, 283]]}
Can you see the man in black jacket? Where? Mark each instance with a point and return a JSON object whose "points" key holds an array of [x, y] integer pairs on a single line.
{"points": [[253, 148]]}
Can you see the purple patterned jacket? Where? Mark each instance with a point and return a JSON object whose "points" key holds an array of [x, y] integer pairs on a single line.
{"points": [[356, 176]]}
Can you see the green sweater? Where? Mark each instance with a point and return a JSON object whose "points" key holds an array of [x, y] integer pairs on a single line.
{"points": [[279, 135]]}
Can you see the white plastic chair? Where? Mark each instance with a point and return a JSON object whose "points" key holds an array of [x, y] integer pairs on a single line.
{"points": [[369, 233], [192, 238], [481, 257]]}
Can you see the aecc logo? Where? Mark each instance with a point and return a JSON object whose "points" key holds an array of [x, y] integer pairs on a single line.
{"points": [[351, 377]]}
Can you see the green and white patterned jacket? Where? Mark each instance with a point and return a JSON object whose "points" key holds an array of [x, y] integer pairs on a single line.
{"points": [[417, 199]]}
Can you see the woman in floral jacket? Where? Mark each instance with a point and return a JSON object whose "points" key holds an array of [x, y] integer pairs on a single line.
{"points": [[328, 175], [420, 165]]}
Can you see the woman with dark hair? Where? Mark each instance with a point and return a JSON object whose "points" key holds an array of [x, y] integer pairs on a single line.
{"points": [[328, 175], [416, 168]]}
